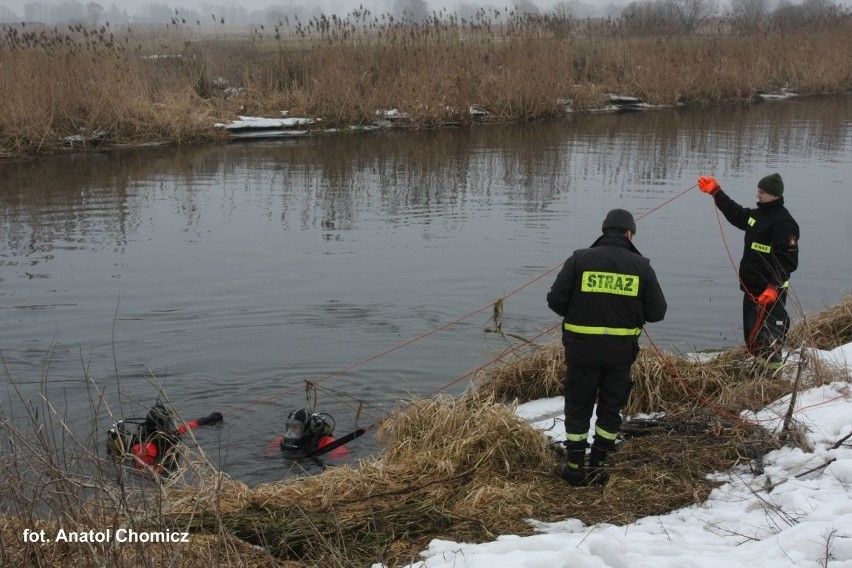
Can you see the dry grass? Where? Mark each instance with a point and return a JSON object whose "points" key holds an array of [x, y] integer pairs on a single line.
{"points": [[52, 479], [465, 469], [671, 383], [663, 382], [827, 329], [88, 85], [537, 374], [445, 462], [729, 384], [201, 550], [171, 84]]}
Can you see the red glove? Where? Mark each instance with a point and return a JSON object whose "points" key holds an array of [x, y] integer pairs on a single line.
{"points": [[708, 184], [769, 296]]}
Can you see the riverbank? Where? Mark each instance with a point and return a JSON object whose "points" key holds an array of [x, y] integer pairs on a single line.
{"points": [[77, 88], [466, 469]]}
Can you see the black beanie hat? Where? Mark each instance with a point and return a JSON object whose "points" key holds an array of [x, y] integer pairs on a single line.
{"points": [[620, 219], [772, 184]]}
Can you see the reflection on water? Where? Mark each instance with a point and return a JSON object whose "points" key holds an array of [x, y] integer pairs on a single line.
{"points": [[235, 274]]}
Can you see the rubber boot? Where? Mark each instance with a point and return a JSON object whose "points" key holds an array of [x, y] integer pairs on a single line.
{"points": [[601, 449], [573, 470]]}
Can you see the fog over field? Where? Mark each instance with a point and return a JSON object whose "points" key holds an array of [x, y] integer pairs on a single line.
{"points": [[258, 11], [209, 13], [250, 5], [338, 7]]}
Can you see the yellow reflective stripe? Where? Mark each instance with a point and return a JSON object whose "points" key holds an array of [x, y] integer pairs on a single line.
{"points": [[594, 330], [610, 283], [604, 434], [786, 284], [751, 221], [576, 437], [761, 248]]}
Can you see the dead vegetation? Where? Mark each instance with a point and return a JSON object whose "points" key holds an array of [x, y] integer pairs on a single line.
{"points": [[826, 329], [77, 86], [466, 469], [663, 382]]}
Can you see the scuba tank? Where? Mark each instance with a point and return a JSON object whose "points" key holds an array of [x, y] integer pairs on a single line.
{"points": [[303, 432], [158, 439], [119, 438], [153, 444]]}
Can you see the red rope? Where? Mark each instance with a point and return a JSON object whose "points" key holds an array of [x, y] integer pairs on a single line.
{"points": [[666, 202], [487, 364], [687, 387], [749, 342], [721, 411], [387, 351], [752, 336], [823, 403], [456, 321], [761, 314]]}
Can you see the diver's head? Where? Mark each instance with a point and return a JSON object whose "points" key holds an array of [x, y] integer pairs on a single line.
{"points": [[159, 421], [299, 428], [302, 430]]}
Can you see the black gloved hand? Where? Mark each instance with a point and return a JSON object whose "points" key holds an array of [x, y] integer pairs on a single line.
{"points": [[212, 418]]}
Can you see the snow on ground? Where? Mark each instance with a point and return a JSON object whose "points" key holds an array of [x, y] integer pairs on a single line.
{"points": [[803, 520]]}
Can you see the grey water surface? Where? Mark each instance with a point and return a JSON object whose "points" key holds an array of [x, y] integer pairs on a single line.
{"points": [[232, 275]]}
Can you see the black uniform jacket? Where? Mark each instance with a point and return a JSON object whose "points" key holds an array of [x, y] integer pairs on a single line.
{"points": [[607, 290], [771, 250]]}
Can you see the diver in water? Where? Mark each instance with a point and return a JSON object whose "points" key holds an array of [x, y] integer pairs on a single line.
{"points": [[153, 447], [305, 434]]}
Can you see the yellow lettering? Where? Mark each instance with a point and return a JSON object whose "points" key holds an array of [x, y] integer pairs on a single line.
{"points": [[610, 283]]}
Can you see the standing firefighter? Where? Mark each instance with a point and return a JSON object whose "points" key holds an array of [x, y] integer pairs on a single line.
{"points": [[770, 255], [605, 294]]}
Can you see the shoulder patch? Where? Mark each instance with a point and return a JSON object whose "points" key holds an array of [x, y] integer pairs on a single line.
{"points": [[793, 240]]}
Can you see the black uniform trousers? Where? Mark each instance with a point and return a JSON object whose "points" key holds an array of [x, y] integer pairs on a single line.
{"points": [[597, 371], [765, 341]]}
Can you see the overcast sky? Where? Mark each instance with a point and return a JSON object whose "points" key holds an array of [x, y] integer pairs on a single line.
{"points": [[339, 7], [329, 6]]}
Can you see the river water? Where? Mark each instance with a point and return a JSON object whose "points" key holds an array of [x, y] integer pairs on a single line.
{"points": [[231, 275]]}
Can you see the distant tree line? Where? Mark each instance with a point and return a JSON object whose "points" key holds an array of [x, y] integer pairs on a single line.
{"points": [[637, 17], [686, 16]]}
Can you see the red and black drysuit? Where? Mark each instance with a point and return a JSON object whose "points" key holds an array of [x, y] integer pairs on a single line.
{"points": [[770, 255], [153, 447], [605, 294]]}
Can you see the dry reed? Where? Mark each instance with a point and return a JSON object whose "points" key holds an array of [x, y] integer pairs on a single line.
{"points": [[828, 329], [129, 86], [469, 469], [465, 469], [728, 381]]}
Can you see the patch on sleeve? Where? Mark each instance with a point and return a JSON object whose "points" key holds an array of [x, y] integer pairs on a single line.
{"points": [[793, 240]]}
